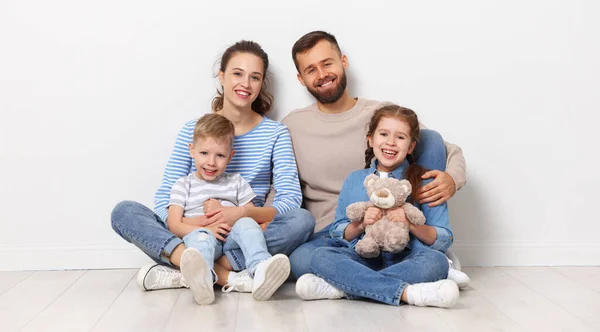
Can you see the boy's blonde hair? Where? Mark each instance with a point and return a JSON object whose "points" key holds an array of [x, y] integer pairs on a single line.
{"points": [[216, 127]]}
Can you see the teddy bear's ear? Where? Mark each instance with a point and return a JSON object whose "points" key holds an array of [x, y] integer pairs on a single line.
{"points": [[370, 179], [406, 186]]}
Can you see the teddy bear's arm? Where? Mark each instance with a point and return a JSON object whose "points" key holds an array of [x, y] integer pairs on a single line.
{"points": [[413, 214], [356, 211]]}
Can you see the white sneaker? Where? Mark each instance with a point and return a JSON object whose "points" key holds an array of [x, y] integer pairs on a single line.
{"points": [[311, 287], [442, 293], [198, 276], [453, 260], [270, 274], [242, 282], [460, 278], [154, 276]]}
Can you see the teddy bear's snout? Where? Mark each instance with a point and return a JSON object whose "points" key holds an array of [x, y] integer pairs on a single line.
{"points": [[383, 198]]}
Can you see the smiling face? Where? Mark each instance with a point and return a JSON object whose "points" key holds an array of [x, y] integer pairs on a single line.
{"points": [[322, 70], [242, 80], [210, 157], [391, 143]]}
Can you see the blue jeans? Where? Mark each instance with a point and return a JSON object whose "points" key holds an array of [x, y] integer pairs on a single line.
{"points": [[383, 278], [245, 234], [139, 225], [430, 153]]}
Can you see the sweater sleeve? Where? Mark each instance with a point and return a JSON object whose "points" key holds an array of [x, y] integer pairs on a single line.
{"points": [[178, 166], [456, 165]]}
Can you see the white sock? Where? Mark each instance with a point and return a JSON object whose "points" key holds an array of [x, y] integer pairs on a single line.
{"points": [[231, 276]]}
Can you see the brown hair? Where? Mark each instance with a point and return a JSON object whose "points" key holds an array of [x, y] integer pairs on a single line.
{"points": [[264, 101], [414, 171], [216, 127], [309, 41]]}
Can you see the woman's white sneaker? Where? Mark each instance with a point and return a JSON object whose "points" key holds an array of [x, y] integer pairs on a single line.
{"points": [[198, 276], [240, 282], [443, 294], [311, 287], [155, 276], [269, 275], [460, 278]]}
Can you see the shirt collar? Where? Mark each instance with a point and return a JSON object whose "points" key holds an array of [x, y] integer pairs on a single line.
{"points": [[397, 173]]}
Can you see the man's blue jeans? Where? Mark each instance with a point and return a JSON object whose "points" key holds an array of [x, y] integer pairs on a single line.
{"points": [[139, 225], [430, 153], [383, 278]]}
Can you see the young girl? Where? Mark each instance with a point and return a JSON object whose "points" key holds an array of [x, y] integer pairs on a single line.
{"points": [[414, 276], [264, 154]]}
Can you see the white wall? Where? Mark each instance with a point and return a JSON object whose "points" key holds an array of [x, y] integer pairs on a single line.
{"points": [[92, 94]]}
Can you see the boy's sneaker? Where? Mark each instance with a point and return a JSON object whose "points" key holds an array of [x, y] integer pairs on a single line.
{"points": [[460, 278], [198, 276], [155, 276], [270, 274], [443, 294], [242, 282], [311, 287]]}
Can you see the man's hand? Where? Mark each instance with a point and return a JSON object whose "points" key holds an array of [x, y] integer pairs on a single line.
{"points": [[437, 191], [211, 205], [397, 214]]}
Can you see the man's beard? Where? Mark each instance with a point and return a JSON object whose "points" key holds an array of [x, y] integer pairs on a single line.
{"points": [[331, 97]]}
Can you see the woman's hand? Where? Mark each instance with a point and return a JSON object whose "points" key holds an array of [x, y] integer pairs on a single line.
{"points": [[211, 205], [220, 230]]}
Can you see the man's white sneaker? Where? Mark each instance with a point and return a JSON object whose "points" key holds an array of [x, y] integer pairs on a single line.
{"points": [[242, 282], [311, 287], [460, 278], [442, 293], [154, 276], [270, 274], [198, 276]]}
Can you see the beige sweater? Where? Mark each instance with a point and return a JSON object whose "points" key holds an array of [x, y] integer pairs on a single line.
{"points": [[328, 147]]}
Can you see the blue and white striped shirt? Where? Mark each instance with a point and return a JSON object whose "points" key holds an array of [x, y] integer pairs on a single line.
{"points": [[262, 154]]}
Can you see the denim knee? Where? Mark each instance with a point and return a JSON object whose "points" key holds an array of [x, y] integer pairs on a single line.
{"points": [[305, 221], [437, 264], [118, 214], [244, 224]]}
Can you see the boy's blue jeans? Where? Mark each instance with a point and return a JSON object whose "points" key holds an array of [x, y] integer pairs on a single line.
{"points": [[383, 278], [139, 225], [430, 153], [245, 234]]}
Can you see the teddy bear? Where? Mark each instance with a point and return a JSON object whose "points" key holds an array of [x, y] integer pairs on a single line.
{"points": [[386, 235]]}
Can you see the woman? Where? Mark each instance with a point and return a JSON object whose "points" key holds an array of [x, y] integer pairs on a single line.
{"points": [[264, 156]]}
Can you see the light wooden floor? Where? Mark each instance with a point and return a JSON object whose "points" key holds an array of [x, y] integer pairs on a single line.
{"points": [[499, 299]]}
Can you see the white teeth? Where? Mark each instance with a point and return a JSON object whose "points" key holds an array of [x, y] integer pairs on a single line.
{"points": [[388, 152], [243, 93], [326, 84]]}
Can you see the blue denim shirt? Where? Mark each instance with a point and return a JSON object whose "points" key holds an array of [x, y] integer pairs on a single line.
{"points": [[354, 191]]}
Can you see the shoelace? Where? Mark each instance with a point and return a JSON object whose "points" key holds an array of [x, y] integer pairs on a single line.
{"points": [[239, 281], [168, 276]]}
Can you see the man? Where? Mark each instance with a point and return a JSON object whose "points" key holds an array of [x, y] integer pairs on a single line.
{"points": [[336, 125]]}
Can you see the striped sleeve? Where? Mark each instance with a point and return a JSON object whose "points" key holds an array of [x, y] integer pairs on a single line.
{"points": [[178, 166], [288, 195], [179, 193], [245, 194]]}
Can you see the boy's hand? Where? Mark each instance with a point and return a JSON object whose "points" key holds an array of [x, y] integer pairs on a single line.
{"points": [[229, 214], [397, 214], [211, 205], [371, 216], [220, 230]]}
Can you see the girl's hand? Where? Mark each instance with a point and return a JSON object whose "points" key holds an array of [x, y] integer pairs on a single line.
{"points": [[397, 214], [437, 191], [211, 205], [220, 230], [371, 216]]}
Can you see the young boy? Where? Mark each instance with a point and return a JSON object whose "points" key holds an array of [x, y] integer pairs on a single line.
{"points": [[203, 194]]}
